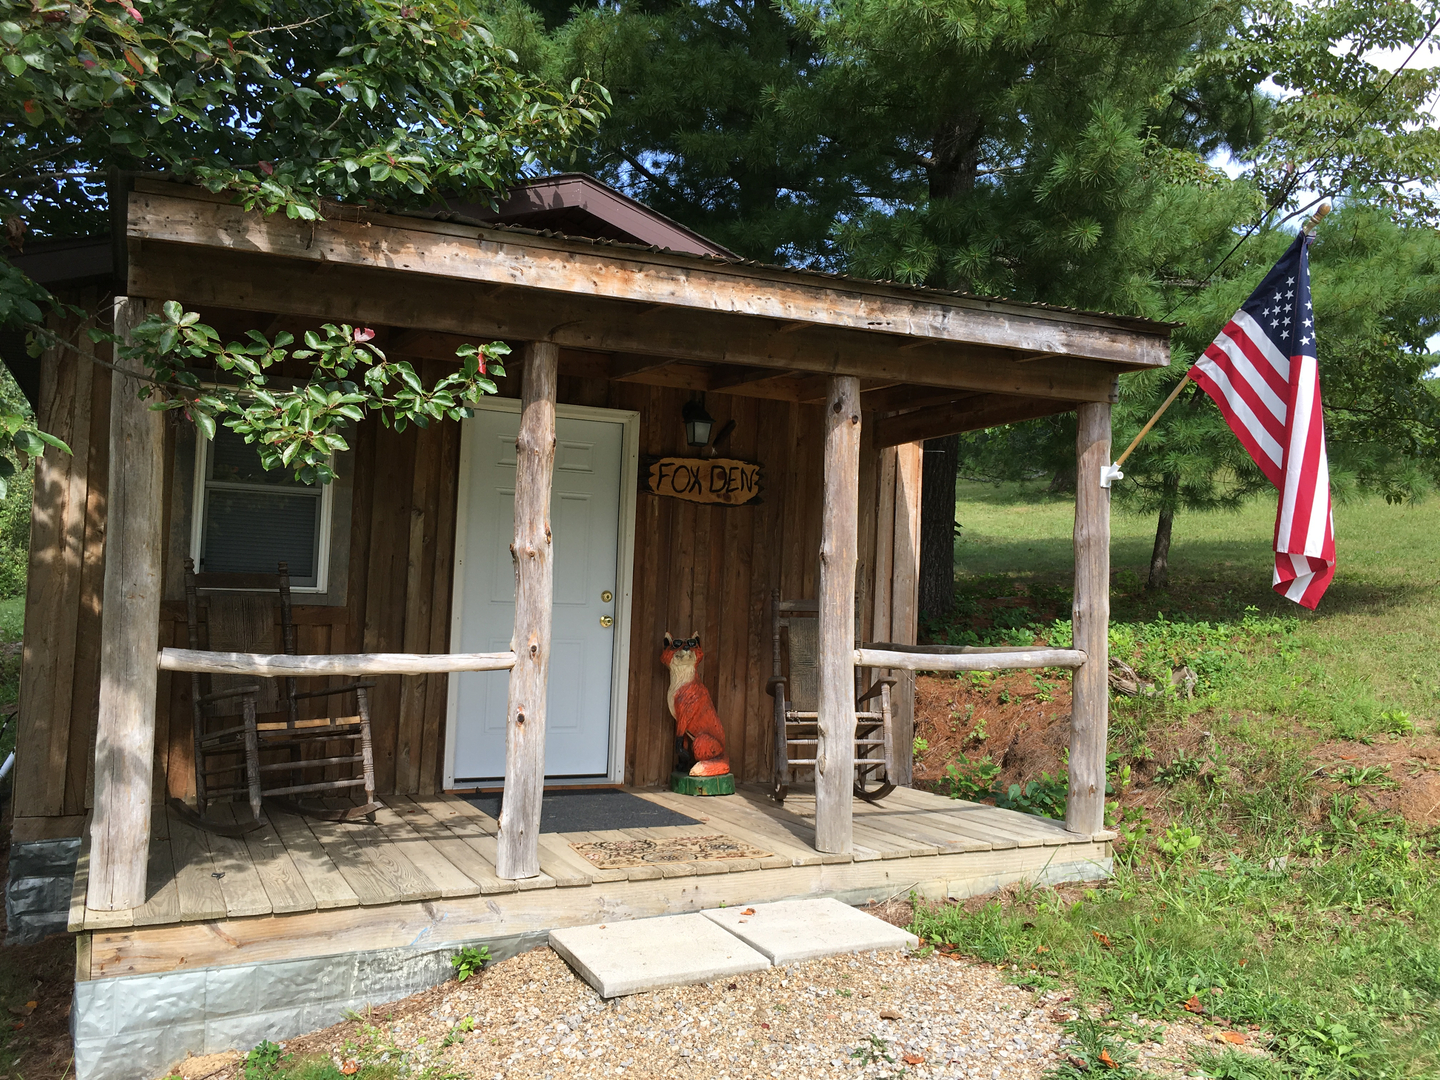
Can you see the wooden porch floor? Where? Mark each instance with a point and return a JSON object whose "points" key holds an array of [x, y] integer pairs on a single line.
{"points": [[427, 868]]}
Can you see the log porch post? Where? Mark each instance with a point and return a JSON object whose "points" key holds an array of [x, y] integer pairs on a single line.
{"points": [[518, 853], [1089, 720], [839, 550], [129, 641]]}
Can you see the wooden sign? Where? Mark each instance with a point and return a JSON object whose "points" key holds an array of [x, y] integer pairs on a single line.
{"points": [[714, 481]]}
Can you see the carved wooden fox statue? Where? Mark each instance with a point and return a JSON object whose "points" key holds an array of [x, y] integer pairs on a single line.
{"points": [[699, 738]]}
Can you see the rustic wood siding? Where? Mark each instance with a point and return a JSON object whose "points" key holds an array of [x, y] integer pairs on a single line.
{"points": [[697, 568]]}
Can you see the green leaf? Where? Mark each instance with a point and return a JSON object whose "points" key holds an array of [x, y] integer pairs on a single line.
{"points": [[28, 442], [14, 64], [51, 440], [158, 90], [206, 423]]}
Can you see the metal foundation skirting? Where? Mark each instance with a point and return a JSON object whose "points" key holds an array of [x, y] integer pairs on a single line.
{"points": [[37, 892], [133, 1027]]}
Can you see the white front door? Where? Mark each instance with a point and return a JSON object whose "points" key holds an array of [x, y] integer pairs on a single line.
{"points": [[585, 515]]}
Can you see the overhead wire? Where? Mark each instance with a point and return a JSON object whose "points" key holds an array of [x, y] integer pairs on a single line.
{"points": [[1295, 177]]}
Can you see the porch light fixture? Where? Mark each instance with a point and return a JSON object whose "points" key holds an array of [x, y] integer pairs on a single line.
{"points": [[698, 422]]}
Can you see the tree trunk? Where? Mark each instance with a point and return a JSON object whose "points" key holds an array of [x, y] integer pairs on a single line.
{"points": [[1160, 556], [937, 526]]}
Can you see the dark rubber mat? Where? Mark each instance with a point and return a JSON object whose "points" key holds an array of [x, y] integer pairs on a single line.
{"points": [[591, 811]]}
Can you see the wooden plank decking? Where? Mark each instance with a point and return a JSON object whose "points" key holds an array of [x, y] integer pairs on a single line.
{"points": [[426, 869]]}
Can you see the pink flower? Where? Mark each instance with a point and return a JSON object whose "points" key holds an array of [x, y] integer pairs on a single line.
{"points": [[363, 334]]}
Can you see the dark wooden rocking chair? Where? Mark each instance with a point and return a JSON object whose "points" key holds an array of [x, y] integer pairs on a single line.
{"points": [[796, 631], [229, 740]]}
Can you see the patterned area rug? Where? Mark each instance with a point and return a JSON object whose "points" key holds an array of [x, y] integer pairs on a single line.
{"points": [[620, 854]]}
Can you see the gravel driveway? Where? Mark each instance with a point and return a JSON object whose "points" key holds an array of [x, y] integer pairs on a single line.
{"points": [[874, 1015], [855, 1016]]}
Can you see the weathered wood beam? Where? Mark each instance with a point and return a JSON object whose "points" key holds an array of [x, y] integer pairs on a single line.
{"points": [[1090, 702], [370, 296], [282, 664], [479, 255], [970, 414], [895, 398], [996, 660], [129, 637], [518, 852], [623, 368], [727, 379], [835, 677]]}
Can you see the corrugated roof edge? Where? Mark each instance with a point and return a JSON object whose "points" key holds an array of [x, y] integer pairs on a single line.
{"points": [[1136, 321]]}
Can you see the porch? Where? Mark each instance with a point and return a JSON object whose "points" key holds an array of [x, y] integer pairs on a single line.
{"points": [[426, 875]]}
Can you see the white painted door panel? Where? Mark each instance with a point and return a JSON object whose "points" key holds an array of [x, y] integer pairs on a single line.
{"points": [[584, 525]]}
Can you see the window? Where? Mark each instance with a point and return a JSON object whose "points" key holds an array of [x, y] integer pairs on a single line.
{"points": [[248, 520]]}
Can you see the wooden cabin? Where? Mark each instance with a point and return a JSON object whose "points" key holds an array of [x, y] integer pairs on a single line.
{"points": [[402, 570]]}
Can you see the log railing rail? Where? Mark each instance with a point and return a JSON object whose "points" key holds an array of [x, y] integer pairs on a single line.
{"points": [[271, 665], [887, 654]]}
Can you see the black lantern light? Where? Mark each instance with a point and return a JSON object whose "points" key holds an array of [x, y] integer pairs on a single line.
{"points": [[698, 422]]}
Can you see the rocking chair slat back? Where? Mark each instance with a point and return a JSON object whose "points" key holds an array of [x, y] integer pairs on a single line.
{"points": [[245, 621], [242, 622], [794, 685]]}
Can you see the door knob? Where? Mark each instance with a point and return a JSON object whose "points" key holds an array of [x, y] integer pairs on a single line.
{"points": [[606, 596], [606, 621]]}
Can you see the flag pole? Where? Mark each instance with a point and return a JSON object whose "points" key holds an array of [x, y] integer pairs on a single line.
{"points": [[1110, 473]]}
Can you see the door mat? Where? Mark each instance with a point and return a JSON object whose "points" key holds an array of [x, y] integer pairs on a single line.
{"points": [[622, 854], [591, 811]]}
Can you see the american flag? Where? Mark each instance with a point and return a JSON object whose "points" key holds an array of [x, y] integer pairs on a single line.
{"points": [[1262, 373]]}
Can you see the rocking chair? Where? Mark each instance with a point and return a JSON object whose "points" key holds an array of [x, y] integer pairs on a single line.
{"points": [[796, 630], [229, 738]]}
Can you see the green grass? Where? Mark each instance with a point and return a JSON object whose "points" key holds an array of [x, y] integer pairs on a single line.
{"points": [[1302, 909], [1369, 649]]}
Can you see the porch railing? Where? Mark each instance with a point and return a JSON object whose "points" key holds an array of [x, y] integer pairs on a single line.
{"points": [[227, 663], [888, 654]]}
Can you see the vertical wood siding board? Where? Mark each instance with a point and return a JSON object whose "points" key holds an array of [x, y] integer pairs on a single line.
{"points": [[904, 597], [814, 513], [774, 536], [164, 730], [92, 586], [756, 549], [646, 580], [385, 589], [733, 600], [125, 740], [869, 498], [447, 490], [744, 595], [36, 785], [415, 631], [76, 498], [361, 515], [657, 727], [884, 546], [166, 733]]}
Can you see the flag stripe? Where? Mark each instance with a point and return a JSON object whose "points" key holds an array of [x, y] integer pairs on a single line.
{"points": [[1265, 451]]}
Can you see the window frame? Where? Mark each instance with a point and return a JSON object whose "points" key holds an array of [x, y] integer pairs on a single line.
{"points": [[203, 444]]}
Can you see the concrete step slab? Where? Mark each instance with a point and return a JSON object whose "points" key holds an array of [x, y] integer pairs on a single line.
{"points": [[649, 954], [789, 931]]}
